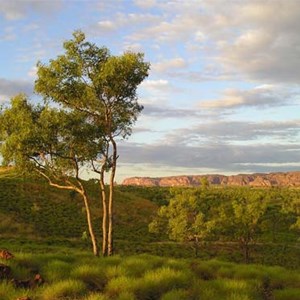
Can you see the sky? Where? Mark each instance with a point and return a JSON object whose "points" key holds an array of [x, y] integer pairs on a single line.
{"points": [[222, 96]]}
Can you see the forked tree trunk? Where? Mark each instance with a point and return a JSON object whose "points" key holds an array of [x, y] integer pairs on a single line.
{"points": [[110, 201], [104, 214], [196, 246], [90, 225], [80, 190]]}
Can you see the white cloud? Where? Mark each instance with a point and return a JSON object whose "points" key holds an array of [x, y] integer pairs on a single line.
{"points": [[145, 3], [106, 25], [262, 96], [15, 10], [8, 34], [9, 88], [133, 47], [32, 72], [31, 27], [219, 156], [237, 132], [154, 85], [119, 21], [242, 38], [169, 65]]}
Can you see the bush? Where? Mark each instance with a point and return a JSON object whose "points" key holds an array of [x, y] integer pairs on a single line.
{"points": [[159, 281], [96, 297], [92, 275], [119, 285], [55, 270], [177, 294], [64, 289], [287, 294]]}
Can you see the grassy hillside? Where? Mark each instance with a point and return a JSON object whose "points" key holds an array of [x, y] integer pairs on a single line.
{"points": [[34, 216], [43, 226], [31, 209]]}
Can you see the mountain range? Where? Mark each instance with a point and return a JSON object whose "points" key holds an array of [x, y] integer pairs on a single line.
{"points": [[280, 179]]}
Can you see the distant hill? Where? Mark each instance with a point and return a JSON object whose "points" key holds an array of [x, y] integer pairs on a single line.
{"points": [[288, 179], [30, 208]]}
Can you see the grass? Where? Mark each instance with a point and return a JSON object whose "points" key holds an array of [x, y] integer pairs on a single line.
{"points": [[36, 217], [83, 277], [64, 289], [43, 227]]}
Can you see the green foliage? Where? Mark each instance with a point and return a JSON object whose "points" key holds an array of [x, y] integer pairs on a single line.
{"points": [[92, 275], [89, 78], [28, 205], [239, 215], [287, 294], [157, 195], [189, 216], [64, 289], [36, 205], [83, 277], [245, 214], [89, 81]]}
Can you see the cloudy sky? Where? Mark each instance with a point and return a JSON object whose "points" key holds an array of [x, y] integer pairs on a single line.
{"points": [[223, 91]]}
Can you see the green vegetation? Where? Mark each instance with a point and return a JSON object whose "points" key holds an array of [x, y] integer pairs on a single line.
{"points": [[37, 217], [82, 276], [49, 216], [90, 103], [250, 218], [44, 228]]}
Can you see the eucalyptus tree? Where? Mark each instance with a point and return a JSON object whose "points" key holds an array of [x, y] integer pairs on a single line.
{"points": [[190, 216], [55, 144], [88, 79], [243, 217]]}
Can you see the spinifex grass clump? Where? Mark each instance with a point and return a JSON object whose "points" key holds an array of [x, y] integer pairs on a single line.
{"points": [[56, 270], [92, 275], [81, 276], [177, 294], [64, 289], [137, 266], [119, 285], [157, 282], [7, 291], [287, 294], [96, 297]]}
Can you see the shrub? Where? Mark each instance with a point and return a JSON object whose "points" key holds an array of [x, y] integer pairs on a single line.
{"points": [[287, 294], [117, 286], [92, 275], [159, 281], [64, 289], [55, 270], [202, 270], [126, 296], [7, 292], [177, 294], [96, 297], [136, 266]]}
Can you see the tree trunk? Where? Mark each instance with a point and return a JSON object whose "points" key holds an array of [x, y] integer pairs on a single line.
{"points": [[110, 202], [104, 214], [246, 253], [196, 246], [90, 225]]}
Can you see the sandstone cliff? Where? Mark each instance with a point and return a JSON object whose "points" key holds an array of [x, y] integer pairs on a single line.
{"points": [[256, 180]]}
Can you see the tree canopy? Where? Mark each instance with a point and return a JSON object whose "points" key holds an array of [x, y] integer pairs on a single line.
{"points": [[90, 100]]}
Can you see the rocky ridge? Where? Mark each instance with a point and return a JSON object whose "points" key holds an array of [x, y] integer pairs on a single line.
{"points": [[288, 179]]}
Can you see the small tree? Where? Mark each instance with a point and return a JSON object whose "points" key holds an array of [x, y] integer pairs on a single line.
{"points": [[188, 217], [291, 206], [242, 217], [103, 87], [53, 143]]}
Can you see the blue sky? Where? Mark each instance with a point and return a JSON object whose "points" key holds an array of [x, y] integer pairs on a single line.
{"points": [[223, 91]]}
